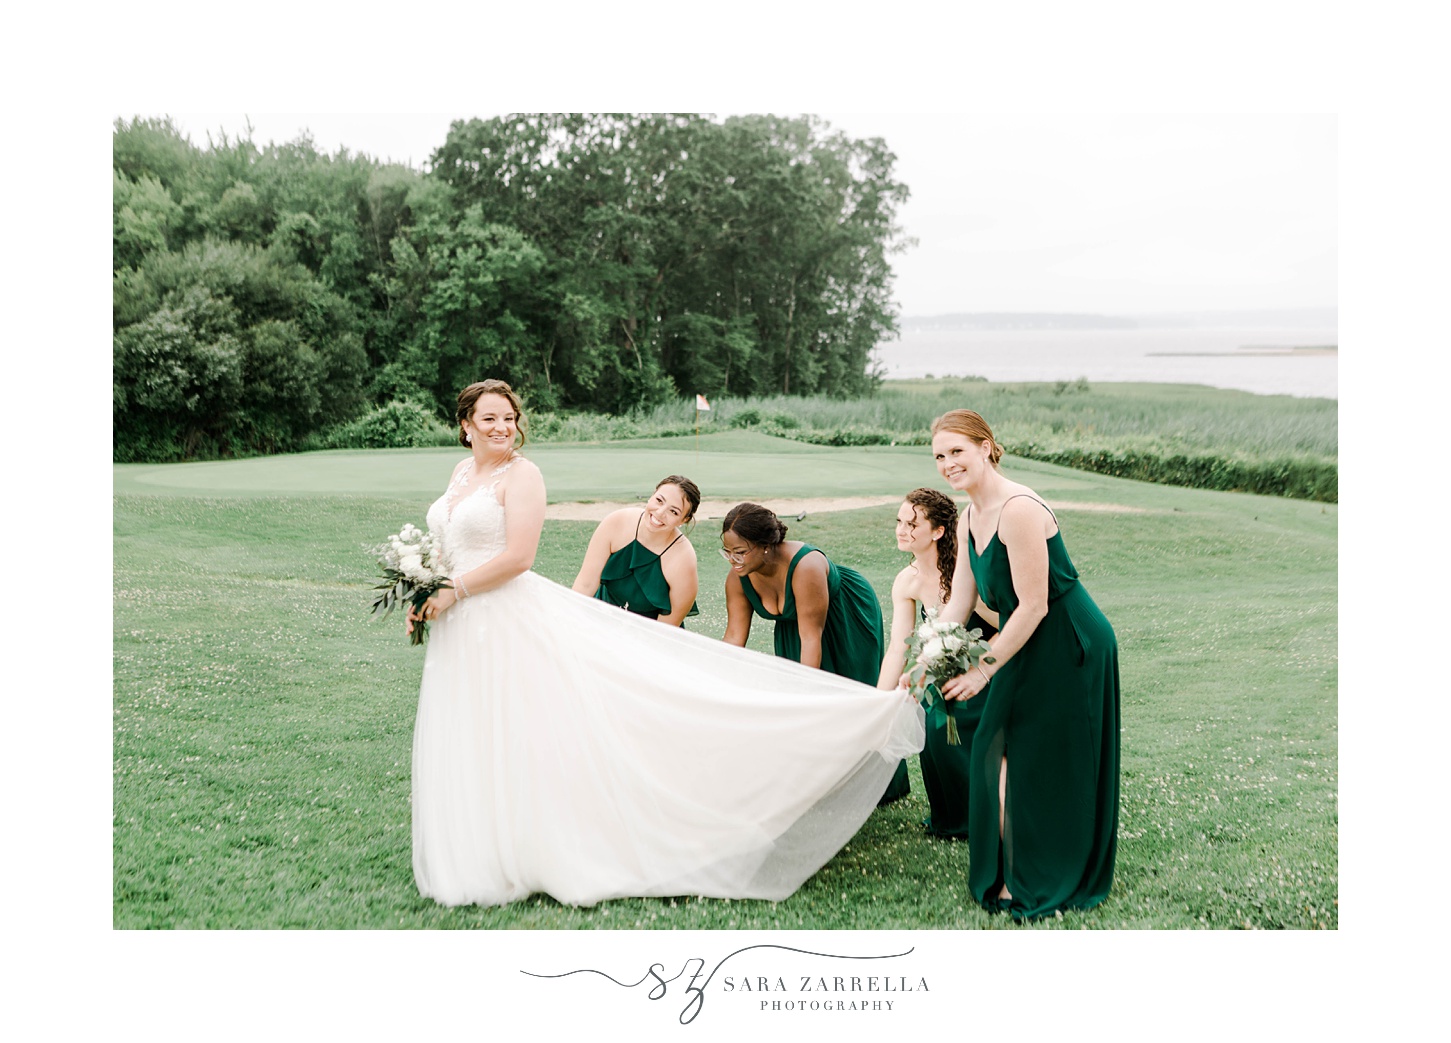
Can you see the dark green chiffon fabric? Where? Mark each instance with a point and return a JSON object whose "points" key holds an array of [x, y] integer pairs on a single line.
{"points": [[633, 579], [947, 769], [1053, 710], [852, 642]]}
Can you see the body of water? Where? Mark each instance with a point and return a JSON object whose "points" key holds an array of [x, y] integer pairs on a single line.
{"points": [[1246, 359]]}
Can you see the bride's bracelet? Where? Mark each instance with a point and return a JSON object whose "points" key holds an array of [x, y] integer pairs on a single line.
{"points": [[458, 582]]}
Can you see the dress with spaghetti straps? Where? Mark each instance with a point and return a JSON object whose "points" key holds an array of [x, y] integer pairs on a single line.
{"points": [[946, 769], [634, 579], [1053, 711], [852, 640]]}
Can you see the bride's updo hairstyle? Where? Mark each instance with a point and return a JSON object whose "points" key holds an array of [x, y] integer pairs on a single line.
{"points": [[972, 425], [754, 524], [688, 489], [469, 397]]}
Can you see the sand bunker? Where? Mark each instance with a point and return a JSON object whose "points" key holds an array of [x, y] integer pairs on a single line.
{"points": [[788, 508]]}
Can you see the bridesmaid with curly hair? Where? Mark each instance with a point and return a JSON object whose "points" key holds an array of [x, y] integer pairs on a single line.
{"points": [[927, 529]]}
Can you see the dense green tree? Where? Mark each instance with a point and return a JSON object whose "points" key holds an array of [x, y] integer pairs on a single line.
{"points": [[598, 261], [281, 385], [296, 345], [177, 375], [154, 148], [145, 219], [481, 313], [770, 228]]}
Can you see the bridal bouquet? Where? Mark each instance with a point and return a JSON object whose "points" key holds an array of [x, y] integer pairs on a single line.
{"points": [[412, 573], [937, 651]]}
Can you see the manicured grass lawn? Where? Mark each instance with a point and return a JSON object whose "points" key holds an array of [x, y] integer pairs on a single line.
{"points": [[263, 722], [731, 463]]}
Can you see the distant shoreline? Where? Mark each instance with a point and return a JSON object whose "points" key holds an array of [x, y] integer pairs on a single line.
{"points": [[1004, 321], [1267, 352], [1262, 359]]}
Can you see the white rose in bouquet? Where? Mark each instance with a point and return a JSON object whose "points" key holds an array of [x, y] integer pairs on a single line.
{"points": [[938, 650], [411, 574]]}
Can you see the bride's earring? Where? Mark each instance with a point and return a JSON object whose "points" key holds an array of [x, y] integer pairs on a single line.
{"points": [[468, 438]]}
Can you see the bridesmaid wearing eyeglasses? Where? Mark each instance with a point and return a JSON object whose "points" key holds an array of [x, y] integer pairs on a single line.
{"points": [[826, 615]]}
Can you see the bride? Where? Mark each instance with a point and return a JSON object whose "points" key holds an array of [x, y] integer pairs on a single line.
{"points": [[563, 746]]}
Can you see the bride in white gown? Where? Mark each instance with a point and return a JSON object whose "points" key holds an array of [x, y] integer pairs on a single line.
{"points": [[565, 747]]}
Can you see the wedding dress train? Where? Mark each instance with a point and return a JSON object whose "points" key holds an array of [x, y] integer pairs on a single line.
{"points": [[566, 747]]}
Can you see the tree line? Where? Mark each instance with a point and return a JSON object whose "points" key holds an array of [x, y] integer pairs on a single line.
{"points": [[595, 261]]}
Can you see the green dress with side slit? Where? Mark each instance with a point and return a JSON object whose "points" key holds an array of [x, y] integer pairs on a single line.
{"points": [[852, 640], [1053, 711]]}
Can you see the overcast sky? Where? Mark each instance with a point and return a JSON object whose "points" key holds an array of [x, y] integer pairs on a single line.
{"points": [[1091, 213]]}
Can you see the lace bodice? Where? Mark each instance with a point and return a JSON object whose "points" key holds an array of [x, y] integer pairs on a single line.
{"points": [[469, 521]]}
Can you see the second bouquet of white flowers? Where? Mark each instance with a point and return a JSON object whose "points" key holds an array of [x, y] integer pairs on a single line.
{"points": [[936, 651], [412, 571]]}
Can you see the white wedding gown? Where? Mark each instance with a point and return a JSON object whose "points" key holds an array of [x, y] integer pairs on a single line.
{"points": [[567, 747]]}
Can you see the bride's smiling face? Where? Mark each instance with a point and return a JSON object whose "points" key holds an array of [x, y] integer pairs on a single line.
{"points": [[494, 424]]}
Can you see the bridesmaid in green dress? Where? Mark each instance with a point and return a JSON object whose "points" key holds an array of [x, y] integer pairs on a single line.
{"points": [[927, 529], [826, 615], [639, 559], [1043, 838]]}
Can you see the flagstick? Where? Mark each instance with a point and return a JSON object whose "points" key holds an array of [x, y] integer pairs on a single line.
{"points": [[699, 399]]}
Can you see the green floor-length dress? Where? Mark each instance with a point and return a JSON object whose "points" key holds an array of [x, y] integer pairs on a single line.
{"points": [[634, 579], [946, 769], [1053, 711], [852, 642]]}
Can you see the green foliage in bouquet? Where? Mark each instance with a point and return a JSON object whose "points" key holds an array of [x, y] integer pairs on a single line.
{"points": [[412, 572], [938, 650]]}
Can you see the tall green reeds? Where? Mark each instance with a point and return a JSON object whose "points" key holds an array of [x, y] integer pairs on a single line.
{"points": [[1174, 434], [1206, 438]]}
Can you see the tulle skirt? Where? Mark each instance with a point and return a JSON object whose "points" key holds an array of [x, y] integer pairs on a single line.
{"points": [[566, 747]]}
